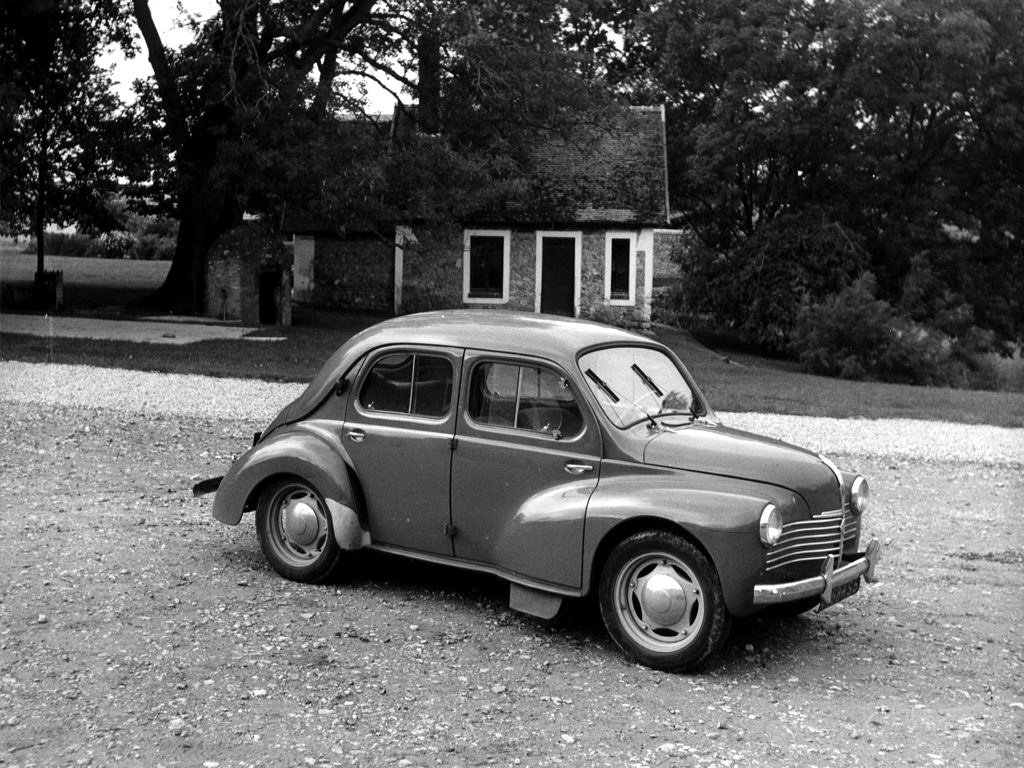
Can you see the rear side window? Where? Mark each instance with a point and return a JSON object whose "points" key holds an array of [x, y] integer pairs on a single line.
{"points": [[404, 382], [524, 397]]}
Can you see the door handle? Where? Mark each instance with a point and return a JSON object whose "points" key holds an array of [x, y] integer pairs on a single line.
{"points": [[576, 468], [356, 435]]}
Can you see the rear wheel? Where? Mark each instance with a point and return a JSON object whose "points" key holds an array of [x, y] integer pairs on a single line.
{"points": [[295, 533], [662, 601]]}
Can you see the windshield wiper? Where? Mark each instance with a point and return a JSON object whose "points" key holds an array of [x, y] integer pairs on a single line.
{"points": [[602, 384], [647, 380]]}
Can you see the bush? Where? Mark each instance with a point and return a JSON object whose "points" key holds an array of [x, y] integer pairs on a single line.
{"points": [[757, 288], [154, 248], [62, 244], [112, 245], [854, 335]]}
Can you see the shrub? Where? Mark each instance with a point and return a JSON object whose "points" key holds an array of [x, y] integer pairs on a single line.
{"points": [[758, 287], [62, 244], [150, 247], [854, 335], [112, 245]]}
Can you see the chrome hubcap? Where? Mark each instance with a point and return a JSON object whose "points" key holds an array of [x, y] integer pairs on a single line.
{"points": [[662, 598], [301, 526], [659, 602]]}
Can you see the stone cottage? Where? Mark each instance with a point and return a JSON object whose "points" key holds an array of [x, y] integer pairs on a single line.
{"points": [[588, 245]]}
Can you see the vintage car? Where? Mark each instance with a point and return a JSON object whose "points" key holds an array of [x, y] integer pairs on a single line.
{"points": [[566, 457]]}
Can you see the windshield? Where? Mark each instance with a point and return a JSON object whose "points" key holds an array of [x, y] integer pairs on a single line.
{"points": [[636, 383]]}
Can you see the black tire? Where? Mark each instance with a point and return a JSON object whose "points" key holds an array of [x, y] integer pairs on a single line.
{"points": [[295, 531], [662, 602]]}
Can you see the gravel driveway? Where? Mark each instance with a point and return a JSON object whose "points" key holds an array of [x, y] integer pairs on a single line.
{"points": [[134, 630], [257, 402]]}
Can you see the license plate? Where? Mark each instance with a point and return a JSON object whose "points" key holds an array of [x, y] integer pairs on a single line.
{"points": [[842, 592]]}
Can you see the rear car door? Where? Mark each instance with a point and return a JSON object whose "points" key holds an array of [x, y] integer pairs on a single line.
{"points": [[527, 458], [398, 433]]}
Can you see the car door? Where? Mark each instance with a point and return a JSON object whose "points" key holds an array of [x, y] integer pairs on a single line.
{"points": [[526, 460], [398, 433]]}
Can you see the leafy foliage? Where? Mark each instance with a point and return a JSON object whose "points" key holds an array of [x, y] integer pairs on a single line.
{"points": [[61, 123], [898, 124]]}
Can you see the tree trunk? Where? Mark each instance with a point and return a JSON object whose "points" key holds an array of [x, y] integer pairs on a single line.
{"points": [[207, 207], [39, 216], [206, 210]]}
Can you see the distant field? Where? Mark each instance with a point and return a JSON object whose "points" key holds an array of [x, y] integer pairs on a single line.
{"points": [[90, 285]]}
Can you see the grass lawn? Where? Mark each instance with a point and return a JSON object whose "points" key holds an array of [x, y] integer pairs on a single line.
{"points": [[750, 386], [753, 384]]}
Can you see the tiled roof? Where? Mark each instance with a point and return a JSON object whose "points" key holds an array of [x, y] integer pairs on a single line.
{"points": [[607, 170]]}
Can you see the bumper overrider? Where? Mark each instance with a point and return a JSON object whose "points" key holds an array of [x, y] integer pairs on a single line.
{"points": [[828, 584]]}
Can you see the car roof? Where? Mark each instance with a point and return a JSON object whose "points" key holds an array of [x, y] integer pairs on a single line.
{"points": [[552, 337]]}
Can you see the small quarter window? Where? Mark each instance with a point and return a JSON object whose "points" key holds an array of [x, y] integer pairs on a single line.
{"points": [[524, 397], [420, 385]]}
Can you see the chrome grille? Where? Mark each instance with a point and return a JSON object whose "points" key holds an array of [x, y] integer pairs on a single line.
{"points": [[851, 526], [811, 540]]}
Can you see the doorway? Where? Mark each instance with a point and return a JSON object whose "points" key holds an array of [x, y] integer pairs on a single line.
{"points": [[558, 273], [270, 289]]}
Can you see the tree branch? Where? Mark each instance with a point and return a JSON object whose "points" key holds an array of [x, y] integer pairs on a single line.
{"points": [[166, 85]]}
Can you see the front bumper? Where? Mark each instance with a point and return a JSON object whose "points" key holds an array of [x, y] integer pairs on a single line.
{"points": [[822, 585]]}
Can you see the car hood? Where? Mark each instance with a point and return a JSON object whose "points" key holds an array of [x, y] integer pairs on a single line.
{"points": [[715, 449]]}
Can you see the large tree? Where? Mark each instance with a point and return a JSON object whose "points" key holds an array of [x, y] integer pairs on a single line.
{"points": [[247, 64], [810, 141], [61, 121], [249, 111]]}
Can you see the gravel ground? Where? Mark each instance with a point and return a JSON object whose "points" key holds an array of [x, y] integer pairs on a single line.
{"points": [[134, 630], [257, 402]]}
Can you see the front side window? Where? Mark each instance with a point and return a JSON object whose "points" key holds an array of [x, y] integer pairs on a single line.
{"points": [[636, 383], [524, 397], [408, 383], [485, 265]]}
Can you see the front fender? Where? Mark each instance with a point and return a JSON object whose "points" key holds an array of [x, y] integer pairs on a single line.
{"points": [[720, 514], [307, 450]]}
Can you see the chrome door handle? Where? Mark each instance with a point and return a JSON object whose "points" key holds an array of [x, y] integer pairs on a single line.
{"points": [[356, 435], [574, 468]]}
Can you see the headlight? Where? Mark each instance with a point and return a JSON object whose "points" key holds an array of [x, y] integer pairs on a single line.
{"points": [[860, 495], [771, 525]]}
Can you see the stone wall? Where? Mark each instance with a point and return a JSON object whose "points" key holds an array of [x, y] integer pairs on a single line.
{"points": [[237, 260], [357, 272], [432, 270]]}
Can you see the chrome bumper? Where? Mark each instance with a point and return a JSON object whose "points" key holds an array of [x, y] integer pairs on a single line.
{"points": [[823, 584], [206, 486]]}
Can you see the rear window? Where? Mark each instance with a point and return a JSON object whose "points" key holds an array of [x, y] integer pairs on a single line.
{"points": [[419, 385]]}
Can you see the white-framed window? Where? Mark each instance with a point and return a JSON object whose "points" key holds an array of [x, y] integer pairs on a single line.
{"points": [[485, 266], [620, 268]]}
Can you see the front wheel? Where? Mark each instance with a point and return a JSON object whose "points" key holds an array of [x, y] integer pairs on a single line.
{"points": [[295, 531], [662, 601]]}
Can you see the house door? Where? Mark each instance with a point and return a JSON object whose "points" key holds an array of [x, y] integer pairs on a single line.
{"points": [[558, 276], [270, 286]]}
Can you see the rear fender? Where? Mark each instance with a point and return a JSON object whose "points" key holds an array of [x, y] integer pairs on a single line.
{"points": [[309, 451]]}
